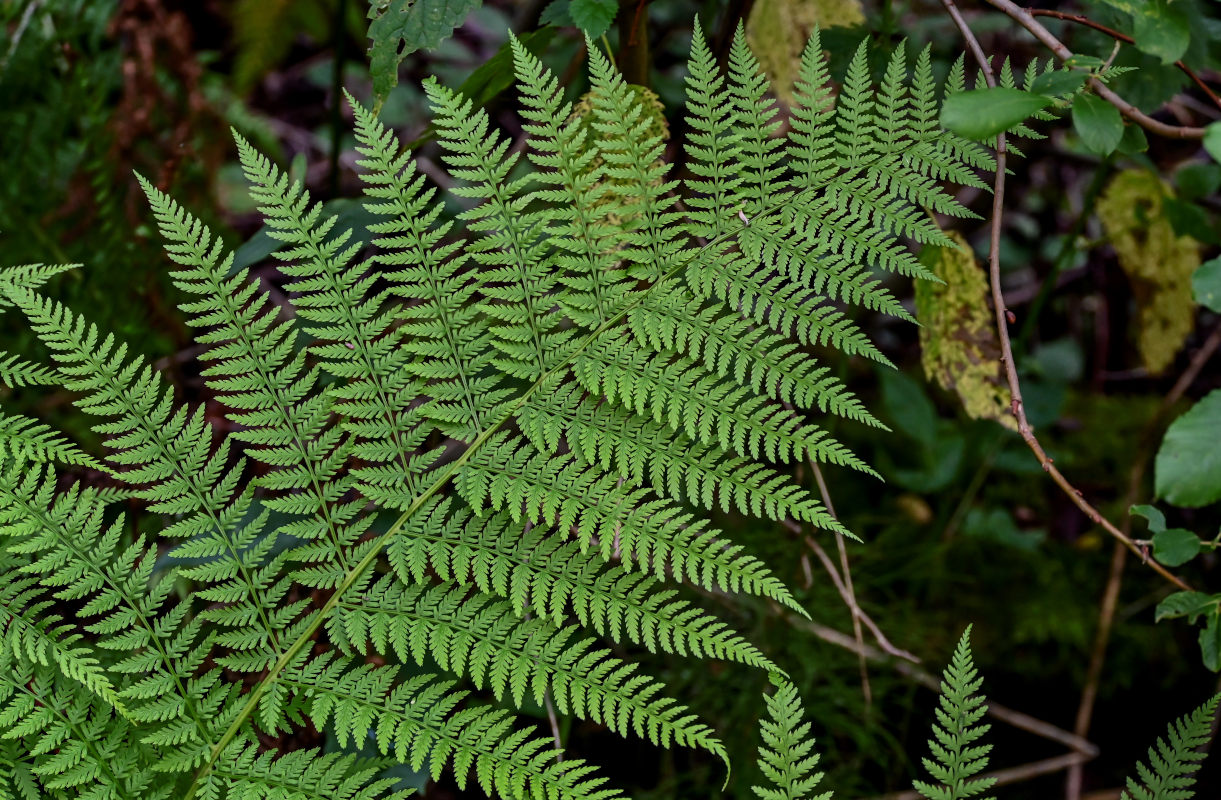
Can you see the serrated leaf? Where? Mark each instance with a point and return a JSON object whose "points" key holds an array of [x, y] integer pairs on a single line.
{"points": [[1175, 547], [402, 27], [1058, 82], [1212, 140], [1098, 123], [1157, 520], [1206, 285], [594, 17], [1184, 604], [1210, 643], [1187, 471], [983, 113]]}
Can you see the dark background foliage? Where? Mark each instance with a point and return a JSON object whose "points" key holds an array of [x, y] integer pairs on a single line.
{"points": [[966, 528]]}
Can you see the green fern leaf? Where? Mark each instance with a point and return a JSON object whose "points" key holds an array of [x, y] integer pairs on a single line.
{"points": [[1173, 761]]}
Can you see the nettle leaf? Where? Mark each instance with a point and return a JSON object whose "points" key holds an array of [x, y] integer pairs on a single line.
{"points": [[1210, 643], [1175, 547], [594, 17], [983, 113], [1187, 471], [1186, 604], [401, 27], [1206, 285], [1098, 123]]}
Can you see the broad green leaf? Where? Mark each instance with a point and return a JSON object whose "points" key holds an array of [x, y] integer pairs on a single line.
{"points": [[1133, 140], [1210, 643], [1198, 180], [1175, 547], [983, 113], [1187, 471], [401, 27], [556, 13], [594, 17], [1206, 285], [1162, 30], [1212, 140], [496, 74], [1157, 520], [1098, 123], [1185, 604], [1058, 82]]}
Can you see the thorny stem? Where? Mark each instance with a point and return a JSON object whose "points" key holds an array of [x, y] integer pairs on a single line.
{"points": [[1024, 18], [998, 296]]}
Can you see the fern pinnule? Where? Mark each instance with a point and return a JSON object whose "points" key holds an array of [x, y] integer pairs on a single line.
{"points": [[445, 341], [540, 572], [484, 638], [419, 720]]}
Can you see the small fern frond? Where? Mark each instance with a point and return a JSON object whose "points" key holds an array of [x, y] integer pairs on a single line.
{"points": [[786, 753], [301, 775], [956, 732], [1173, 761]]}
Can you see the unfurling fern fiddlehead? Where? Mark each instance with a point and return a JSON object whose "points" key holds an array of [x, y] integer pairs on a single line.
{"points": [[494, 432]]}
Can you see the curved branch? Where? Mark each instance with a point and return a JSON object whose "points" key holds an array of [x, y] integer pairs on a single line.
{"points": [[1002, 325], [1024, 18], [1123, 37]]}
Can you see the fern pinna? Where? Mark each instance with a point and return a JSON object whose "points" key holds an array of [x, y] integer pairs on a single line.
{"points": [[476, 449]]}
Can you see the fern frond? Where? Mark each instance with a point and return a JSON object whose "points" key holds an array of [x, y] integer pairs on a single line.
{"points": [[1173, 761], [34, 635], [579, 206], [786, 754], [694, 400], [484, 638], [28, 277], [356, 339], [652, 534], [301, 775], [419, 721], [514, 275], [74, 744], [677, 467], [266, 382], [956, 732], [538, 571], [17, 373]]}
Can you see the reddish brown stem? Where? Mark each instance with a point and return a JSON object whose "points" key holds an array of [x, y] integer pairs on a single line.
{"points": [[1123, 37]]}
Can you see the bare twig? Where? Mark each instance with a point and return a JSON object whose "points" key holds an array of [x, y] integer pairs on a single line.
{"points": [[1110, 597], [1123, 37], [857, 612], [849, 592], [919, 675], [998, 301], [1024, 18], [1011, 775]]}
